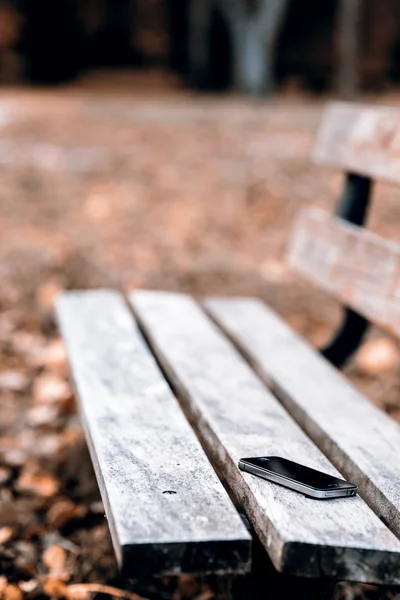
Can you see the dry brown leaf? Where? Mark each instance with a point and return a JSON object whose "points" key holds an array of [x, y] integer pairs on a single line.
{"points": [[75, 590], [11, 592], [40, 484], [28, 586], [46, 293], [6, 533], [5, 475], [82, 595], [189, 585], [72, 437], [297, 321], [14, 381], [63, 511], [377, 356], [50, 389], [25, 558], [33, 531], [97, 207], [24, 342], [97, 507], [50, 445], [54, 587], [15, 457], [54, 558], [53, 357], [42, 415], [275, 271], [207, 595]]}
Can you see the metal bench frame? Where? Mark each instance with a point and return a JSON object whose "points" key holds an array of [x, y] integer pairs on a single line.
{"points": [[353, 207]]}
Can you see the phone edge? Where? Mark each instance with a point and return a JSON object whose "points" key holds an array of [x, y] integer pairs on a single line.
{"points": [[296, 486]]}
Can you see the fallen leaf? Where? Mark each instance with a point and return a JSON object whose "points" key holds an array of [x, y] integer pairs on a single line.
{"points": [[63, 511], [15, 457], [14, 381], [48, 388], [12, 592], [97, 508], [54, 558], [6, 533], [54, 587], [28, 586], [33, 530], [97, 207], [46, 293], [297, 321], [207, 595], [50, 446], [377, 356], [25, 557], [42, 415], [275, 271], [7, 324], [5, 475], [39, 484], [97, 588], [24, 342], [53, 357], [79, 595], [189, 585]]}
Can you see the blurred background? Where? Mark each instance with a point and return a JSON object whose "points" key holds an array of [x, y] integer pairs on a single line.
{"points": [[341, 45], [159, 144]]}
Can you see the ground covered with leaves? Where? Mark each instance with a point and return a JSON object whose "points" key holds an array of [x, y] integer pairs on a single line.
{"points": [[120, 184]]}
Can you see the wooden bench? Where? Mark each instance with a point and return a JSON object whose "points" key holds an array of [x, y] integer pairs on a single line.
{"points": [[148, 365]]}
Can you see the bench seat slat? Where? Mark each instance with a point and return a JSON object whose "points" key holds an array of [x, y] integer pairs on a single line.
{"points": [[143, 448], [361, 440], [357, 266], [237, 416]]}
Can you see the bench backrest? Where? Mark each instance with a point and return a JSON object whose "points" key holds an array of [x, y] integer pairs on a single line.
{"points": [[360, 139], [358, 267]]}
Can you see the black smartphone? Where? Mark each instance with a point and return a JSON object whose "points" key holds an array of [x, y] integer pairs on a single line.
{"points": [[298, 477]]}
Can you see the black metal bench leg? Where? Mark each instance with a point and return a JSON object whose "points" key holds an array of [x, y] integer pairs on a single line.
{"points": [[347, 339], [353, 207]]}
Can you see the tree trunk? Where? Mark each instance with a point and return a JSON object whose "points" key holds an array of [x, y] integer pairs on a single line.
{"points": [[252, 65], [254, 32], [348, 44], [199, 24]]}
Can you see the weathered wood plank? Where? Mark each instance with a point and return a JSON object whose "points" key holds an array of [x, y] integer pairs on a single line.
{"points": [[167, 510], [236, 416], [361, 139], [360, 440], [357, 266]]}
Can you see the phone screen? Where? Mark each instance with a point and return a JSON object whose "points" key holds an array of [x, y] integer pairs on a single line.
{"points": [[297, 472]]}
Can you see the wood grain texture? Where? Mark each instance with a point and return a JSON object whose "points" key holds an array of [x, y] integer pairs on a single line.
{"points": [[360, 268], [167, 510], [361, 440], [360, 139], [236, 416]]}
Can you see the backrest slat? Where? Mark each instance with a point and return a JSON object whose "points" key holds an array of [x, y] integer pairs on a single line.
{"points": [[360, 139], [357, 266]]}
